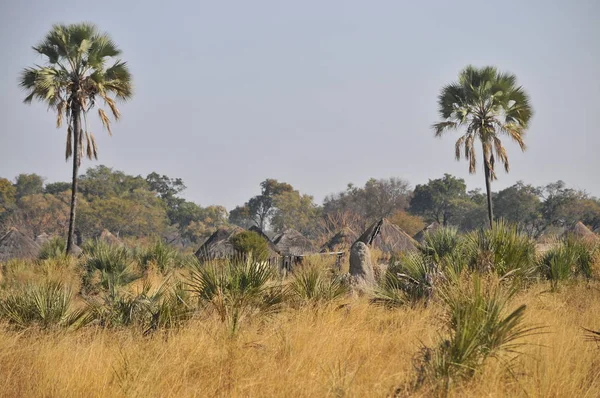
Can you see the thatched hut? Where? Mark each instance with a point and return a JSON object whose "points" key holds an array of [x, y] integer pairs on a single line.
{"points": [[292, 243], [387, 237], [220, 245], [580, 231], [340, 242], [42, 239], [15, 244], [420, 236]]}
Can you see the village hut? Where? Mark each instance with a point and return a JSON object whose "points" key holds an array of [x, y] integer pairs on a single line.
{"points": [[420, 236], [15, 244], [292, 243], [580, 231], [340, 242], [107, 237], [387, 237], [220, 245]]}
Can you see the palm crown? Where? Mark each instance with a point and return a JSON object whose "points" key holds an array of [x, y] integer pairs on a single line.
{"points": [[486, 104], [75, 77]]}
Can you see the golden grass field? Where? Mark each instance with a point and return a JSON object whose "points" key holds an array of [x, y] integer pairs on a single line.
{"points": [[345, 349]]}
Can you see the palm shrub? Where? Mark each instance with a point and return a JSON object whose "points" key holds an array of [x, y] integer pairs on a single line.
{"points": [[444, 247], [45, 305], [113, 265], [571, 257], [162, 255], [54, 248], [479, 325], [236, 288], [410, 279], [314, 284], [501, 249]]}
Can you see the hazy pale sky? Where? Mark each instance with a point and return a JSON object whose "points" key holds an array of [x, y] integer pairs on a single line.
{"points": [[314, 93]]}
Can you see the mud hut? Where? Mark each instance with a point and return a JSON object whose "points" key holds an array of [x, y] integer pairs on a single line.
{"points": [[580, 231], [292, 243], [387, 237], [420, 236], [15, 244], [340, 242]]}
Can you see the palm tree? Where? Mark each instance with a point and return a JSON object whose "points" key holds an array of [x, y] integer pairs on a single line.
{"points": [[74, 77], [485, 104]]}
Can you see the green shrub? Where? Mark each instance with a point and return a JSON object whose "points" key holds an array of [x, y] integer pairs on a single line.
{"points": [[236, 288], [314, 284], [501, 249], [45, 305], [162, 255], [54, 248], [114, 265], [251, 243], [571, 257]]}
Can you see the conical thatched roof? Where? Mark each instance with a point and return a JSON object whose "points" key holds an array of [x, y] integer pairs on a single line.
{"points": [[580, 231], [108, 237], [341, 241], [259, 231], [387, 237], [219, 245], [15, 244], [292, 243], [420, 236]]}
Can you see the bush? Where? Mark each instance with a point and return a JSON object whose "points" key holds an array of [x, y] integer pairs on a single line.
{"points": [[571, 257], [445, 248], [314, 284], [501, 249], [163, 256], [479, 325], [114, 264], [251, 243], [54, 248], [45, 305], [236, 289]]}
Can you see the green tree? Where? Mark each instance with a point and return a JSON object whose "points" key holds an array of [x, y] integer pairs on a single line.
{"points": [[441, 200], [57, 187], [28, 184], [520, 204], [8, 195], [293, 210], [73, 80], [250, 242], [485, 103], [261, 207]]}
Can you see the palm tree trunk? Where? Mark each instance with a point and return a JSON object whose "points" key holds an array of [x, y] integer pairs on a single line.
{"points": [[488, 189], [76, 160]]}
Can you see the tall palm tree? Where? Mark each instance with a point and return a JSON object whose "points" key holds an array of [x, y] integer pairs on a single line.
{"points": [[485, 104], [75, 76]]}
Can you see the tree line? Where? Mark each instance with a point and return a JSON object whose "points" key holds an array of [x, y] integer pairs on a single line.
{"points": [[138, 207]]}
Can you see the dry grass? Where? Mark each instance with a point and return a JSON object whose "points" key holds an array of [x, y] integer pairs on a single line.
{"points": [[352, 350]]}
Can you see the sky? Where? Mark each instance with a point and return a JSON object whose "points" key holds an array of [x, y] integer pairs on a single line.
{"points": [[317, 94]]}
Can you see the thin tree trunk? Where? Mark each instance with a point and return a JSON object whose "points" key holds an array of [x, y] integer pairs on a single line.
{"points": [[488, 189], [76, 159]]}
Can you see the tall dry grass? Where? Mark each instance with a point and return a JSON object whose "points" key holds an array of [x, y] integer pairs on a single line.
{"points": [[355, 349]]}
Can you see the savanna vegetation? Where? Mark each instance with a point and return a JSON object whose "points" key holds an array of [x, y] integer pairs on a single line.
{"points": [[497, 300]]}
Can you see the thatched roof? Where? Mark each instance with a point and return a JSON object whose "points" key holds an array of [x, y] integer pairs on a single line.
{"points": [[420, 236], [219, 245], [341, 241], [259, 231], [387, 237], [292, 243], [15, 244], [107, 237], [580, 231]]}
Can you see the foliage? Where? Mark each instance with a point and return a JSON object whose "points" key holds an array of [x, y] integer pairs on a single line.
{"points": [[28, 184], [159, 254], [112, 266], [570, 257], [407, 222], [501, 249], [40, 213], [520, 204], [479, 326], [250, 243], [313, 285], [55, 247], [45, 305], [236, 289], [408, 280], [444, 247], [295, 211], [442, 200]]}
